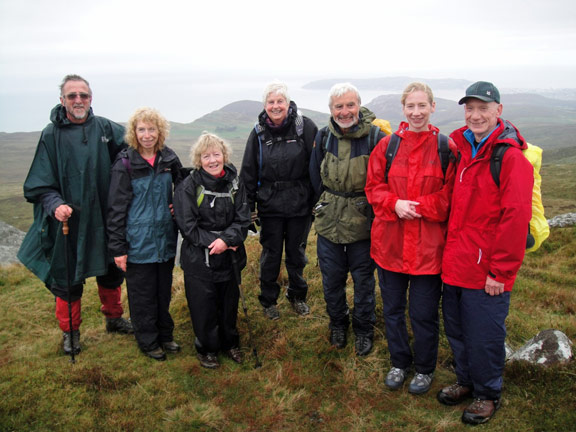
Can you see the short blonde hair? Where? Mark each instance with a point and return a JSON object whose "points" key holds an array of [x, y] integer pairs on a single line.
{"points": [[147, 115], [417, 86], [205, 142]]}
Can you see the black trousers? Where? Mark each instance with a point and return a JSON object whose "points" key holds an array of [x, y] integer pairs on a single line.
{"points": [[214, 312], [290, 233], [149, 289], [336, 260]]}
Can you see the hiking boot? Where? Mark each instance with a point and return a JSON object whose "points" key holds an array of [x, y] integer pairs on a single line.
{"points": [[171, 347], [480, 411], [395, 378], [235, 354], [271, 312], [156, 354], [209, 360], [454, 394], [300, 306], [363, 345], [420, 384], [68, 341], [119, 325], [338, 337]]}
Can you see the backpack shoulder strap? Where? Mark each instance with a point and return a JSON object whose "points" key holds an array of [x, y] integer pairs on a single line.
{"points": [[259, 130], [299, 123], [374, 131], [496, 161], [200, 189], [391, 151], [444, 153], [326, 135]]}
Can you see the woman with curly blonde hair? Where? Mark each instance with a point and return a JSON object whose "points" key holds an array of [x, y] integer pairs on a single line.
{"points": [[213, 216], [141, 230]]}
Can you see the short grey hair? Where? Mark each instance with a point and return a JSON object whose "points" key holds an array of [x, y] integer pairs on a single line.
{"points": [[340, 89], [276, 87], [73, 77]]}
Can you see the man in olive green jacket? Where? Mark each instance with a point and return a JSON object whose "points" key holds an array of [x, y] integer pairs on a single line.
{"points": [[338, 169]]}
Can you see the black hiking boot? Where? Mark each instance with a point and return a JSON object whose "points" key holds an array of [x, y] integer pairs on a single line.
{"points": [[363, 345], [338, 337], [68, 342], [119, 325]]}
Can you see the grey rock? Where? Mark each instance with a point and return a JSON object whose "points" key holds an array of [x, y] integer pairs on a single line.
{"points": [[11, 238], [509, 351], [563, 220], [547, 348]]}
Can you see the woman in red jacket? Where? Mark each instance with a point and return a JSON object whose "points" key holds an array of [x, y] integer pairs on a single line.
{"points": [[410, 193]]}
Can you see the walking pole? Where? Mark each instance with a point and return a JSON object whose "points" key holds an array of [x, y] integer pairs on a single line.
{"points": [[238, 278], [65, 231]]}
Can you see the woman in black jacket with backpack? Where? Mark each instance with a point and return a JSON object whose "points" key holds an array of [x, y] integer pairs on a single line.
{"points": [[275, 172], [213, 218]]}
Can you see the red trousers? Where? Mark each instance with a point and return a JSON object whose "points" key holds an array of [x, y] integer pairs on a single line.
{"points": [[111, 308]]}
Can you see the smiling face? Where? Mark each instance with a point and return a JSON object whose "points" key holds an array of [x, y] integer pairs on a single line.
{"points": [[76, 98], [212, 161], [417, 109], [481, 117], [147, 137], [345, 110], [276, 107]]}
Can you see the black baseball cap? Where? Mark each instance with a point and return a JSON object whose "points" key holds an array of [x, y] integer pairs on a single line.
{"points": [[483, 90]]}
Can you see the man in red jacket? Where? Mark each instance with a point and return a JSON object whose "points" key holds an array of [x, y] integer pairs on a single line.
{"points": [[484, 249]]}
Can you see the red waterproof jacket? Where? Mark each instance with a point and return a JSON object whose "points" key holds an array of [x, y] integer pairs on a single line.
{"points": [[410, 246], [488, 224]]}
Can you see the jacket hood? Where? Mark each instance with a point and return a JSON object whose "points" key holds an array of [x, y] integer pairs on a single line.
{"points": [[290, 117], [505, 133], [403, 129], [166, 154], [59, 118], [199, 176], [366, 117], [511, 135]]}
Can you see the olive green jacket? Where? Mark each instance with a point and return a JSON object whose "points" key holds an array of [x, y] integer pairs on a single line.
{"points": [[338, 170]]}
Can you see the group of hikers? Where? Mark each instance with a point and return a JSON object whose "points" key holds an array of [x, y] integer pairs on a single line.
{"points": [[419, 207]]}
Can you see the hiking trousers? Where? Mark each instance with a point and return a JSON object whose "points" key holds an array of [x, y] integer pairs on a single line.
{"points": [[149, 289], [336, 260], [214, 312], [474, 322], [424, 298], [290, 234]]}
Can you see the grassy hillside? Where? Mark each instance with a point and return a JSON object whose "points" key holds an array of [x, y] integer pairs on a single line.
{"points": [[304, 384]]}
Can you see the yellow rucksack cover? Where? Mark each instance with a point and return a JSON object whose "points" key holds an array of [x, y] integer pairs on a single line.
{"points": [[384, 125], [538, 224]]}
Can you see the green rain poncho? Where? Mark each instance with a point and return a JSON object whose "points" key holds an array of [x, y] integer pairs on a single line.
{"points": [[72, 165]]}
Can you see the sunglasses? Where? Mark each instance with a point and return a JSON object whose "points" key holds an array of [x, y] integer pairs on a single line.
{"points": [[73, 96]]}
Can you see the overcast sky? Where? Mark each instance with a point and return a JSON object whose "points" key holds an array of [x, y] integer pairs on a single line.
{"points": [[190, 57]]}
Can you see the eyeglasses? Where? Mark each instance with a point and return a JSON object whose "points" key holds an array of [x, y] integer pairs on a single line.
{"points": [[73, 96]]}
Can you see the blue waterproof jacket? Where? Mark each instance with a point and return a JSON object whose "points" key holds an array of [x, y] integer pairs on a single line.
{"points": [[140, 223]]}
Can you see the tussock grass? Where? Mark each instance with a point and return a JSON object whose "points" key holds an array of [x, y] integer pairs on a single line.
{"points": [[303, 385]]}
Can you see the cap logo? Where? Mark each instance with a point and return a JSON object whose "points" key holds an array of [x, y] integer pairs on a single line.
{"points": [[488, 93]]}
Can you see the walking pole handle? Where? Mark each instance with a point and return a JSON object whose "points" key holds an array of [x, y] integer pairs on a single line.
{"points": [[65, 228]]}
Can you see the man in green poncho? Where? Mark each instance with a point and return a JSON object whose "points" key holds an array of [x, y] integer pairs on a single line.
{"points": [[68, 181]]}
